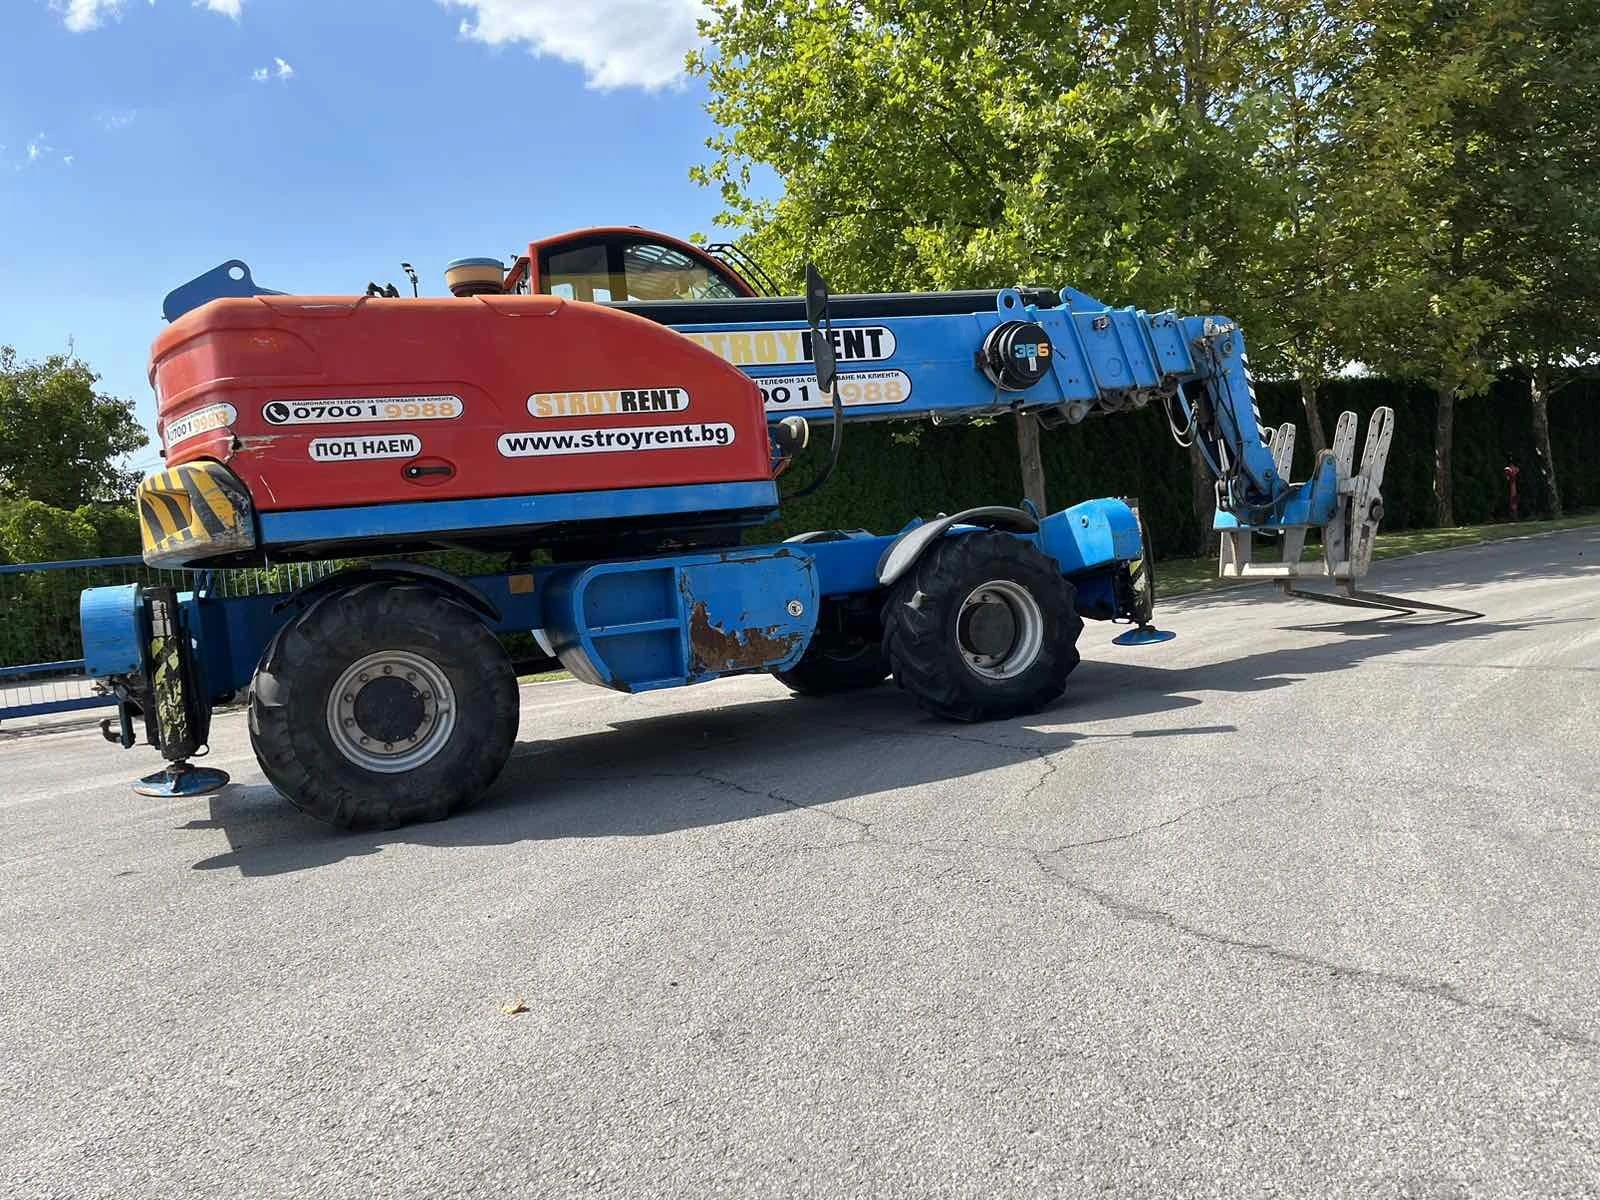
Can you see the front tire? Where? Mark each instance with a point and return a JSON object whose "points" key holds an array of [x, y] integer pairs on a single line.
{"points": [[983, 627], [383, 705]]}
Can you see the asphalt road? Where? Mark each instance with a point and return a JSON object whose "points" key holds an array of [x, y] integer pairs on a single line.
{"points": [[1292, 906]]}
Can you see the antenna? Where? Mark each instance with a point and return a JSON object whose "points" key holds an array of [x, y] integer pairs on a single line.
{"points": [[411, 274]]}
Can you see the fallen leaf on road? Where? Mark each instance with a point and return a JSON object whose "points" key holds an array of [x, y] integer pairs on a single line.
{"points": [[515, 1007]]}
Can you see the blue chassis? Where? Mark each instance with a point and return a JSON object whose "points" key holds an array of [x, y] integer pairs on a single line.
{"points": [[631, 624]]}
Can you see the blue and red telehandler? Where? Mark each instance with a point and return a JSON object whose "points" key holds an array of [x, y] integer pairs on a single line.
{"points": [[619, 406]]}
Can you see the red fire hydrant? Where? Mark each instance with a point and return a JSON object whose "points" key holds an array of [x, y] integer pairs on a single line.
{"points": [[1511, 473]]}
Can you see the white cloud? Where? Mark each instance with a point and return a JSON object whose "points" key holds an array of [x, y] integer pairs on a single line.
{"points": [[618, 43], [279, 70], [69, 159], [117, 118], [80, 16], [39, 147]]}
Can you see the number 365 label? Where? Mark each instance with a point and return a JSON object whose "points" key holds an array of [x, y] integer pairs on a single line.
{"points": [[377, 408], [857, 389]]}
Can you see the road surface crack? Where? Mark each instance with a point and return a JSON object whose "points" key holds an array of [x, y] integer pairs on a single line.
{"points": [[1415, 985], [863, 828], [1156, 826]]}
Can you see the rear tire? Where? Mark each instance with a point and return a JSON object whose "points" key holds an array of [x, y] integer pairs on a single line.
{"points": [[832, 665], [982, 627], [383, 705]]}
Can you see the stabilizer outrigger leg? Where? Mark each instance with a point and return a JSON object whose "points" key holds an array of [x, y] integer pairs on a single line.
{"points": [[182, 779], [1349, 525], [179, 719], [1144, 635]]}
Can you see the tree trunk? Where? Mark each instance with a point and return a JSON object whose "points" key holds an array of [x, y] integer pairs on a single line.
{"points": [[1309, 390], [1203, 489], [1032, 462], [1539, 398], [1443, 444]]}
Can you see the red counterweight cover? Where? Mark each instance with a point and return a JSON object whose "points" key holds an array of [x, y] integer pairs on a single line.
{"points": [[318, 402]]}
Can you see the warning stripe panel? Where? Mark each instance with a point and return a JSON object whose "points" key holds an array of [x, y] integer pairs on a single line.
{"points": [[192, 512], [211, 497]]}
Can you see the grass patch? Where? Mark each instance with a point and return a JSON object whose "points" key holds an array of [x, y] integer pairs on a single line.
{"points": [[544, 677], [1181, 576]]}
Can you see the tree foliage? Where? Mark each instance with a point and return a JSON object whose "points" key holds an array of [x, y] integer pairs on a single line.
{"points": [[951, 144], [1474, 130], [1409, 186], [60, 439]]}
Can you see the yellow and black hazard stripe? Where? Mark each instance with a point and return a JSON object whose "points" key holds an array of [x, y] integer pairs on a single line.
{"points": [[192, 512]]}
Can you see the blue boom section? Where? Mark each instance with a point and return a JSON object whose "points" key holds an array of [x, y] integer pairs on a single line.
{"points": [[1099, 360], [924, 365], [632, 625]]}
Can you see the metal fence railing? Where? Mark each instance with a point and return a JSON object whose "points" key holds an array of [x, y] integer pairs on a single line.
{"points": [[41, 664]]}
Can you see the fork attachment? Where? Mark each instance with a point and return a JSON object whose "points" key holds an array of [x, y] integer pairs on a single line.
{"points": [[1347, 504]]}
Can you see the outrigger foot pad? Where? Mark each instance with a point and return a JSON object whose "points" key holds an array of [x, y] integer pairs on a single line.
{"points": [[1145, 635], [1390, 606], [180, 779]]}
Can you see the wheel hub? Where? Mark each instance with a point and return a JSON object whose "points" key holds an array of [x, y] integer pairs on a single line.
{"points": [[1000, 629], [988, 628], [391, 711]]}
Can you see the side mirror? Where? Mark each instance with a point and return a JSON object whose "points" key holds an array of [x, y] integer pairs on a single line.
{"points": [[821, 330]]}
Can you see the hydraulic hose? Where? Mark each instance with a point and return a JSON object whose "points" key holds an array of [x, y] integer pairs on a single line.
{"points": [[833, 451]]}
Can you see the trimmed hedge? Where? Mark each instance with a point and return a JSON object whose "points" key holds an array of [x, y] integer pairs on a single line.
{"points": [[888, 474]]}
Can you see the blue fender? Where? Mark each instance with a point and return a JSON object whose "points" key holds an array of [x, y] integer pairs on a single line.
{"points": [[904, 551], [450, 585]]}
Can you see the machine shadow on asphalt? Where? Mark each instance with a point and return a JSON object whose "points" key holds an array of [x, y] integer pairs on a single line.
{"points": [[682, 770]]}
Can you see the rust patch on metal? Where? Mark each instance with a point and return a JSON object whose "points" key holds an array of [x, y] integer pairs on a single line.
{"points": [[715, 649]]}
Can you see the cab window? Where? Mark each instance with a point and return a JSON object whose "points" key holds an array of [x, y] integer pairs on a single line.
{"points": [[655, 272], [580, 273], [606, 269]]}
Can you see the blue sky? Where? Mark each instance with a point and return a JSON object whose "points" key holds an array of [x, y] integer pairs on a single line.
{"points": [[323, 141]]}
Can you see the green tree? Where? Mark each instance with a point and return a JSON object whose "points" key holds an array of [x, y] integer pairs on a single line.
{"points": [[31, 531], [1548, 170], [1308, 321], [1478, 194], [1150, 153], [60, 438], [115, 524]]}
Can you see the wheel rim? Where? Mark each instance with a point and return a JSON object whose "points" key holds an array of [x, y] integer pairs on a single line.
{"points": [[1000, 629], [391, 711]]}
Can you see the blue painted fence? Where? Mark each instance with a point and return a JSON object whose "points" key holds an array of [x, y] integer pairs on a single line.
{"points": [[41, 673]]}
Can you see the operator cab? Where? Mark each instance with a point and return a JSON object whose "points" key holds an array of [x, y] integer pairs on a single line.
{"points": [[623, 265]]}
